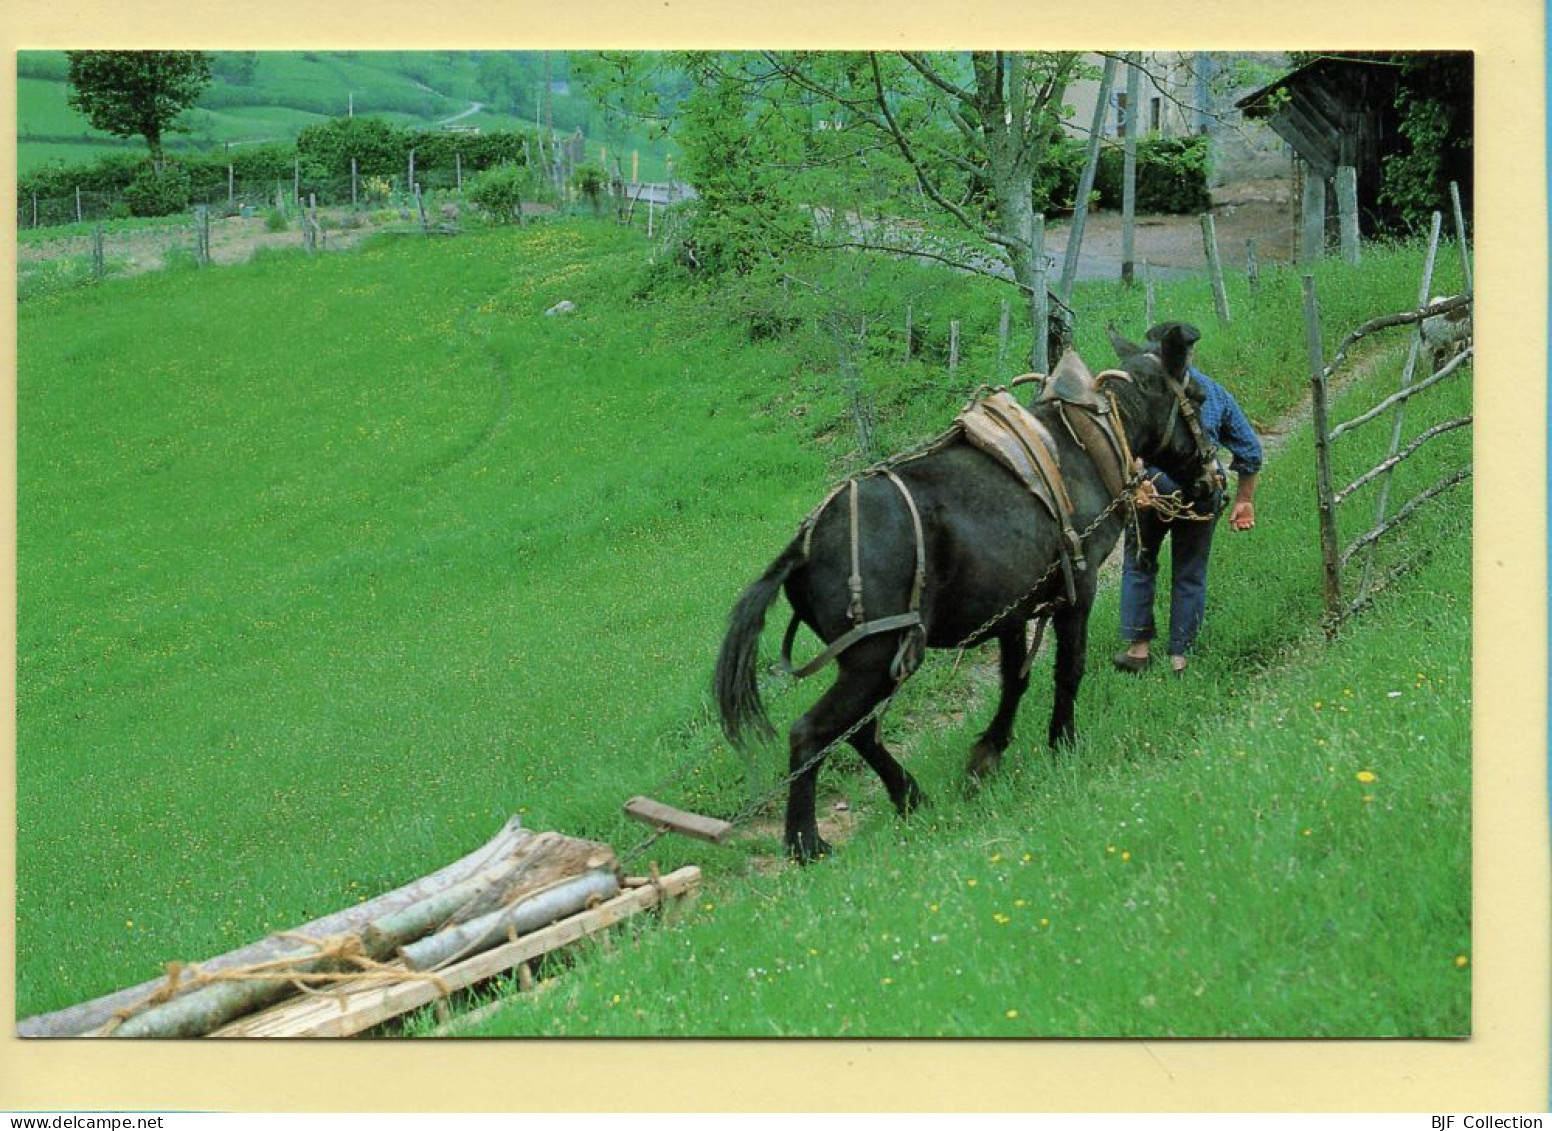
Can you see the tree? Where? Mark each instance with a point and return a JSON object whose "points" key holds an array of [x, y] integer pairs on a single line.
{"points": [[959, 136], [137, 93]]}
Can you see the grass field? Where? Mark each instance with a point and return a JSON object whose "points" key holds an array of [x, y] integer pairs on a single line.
{"points": [[290, 90], [359, 554]]}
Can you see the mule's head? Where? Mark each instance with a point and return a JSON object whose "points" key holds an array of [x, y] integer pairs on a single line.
{"points": [[1164, 422]]}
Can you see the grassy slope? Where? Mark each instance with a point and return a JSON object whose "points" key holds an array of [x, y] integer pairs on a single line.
{"points": [[290, 90], [359, 554]]}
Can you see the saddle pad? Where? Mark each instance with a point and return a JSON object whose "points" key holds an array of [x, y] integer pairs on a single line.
{"points": [[1005, 430]]}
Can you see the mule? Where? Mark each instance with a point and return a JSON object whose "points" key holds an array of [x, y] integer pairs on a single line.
{"points": [[990, 557]]}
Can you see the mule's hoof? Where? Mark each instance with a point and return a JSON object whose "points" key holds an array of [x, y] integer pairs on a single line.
{"points": [[983, 764], [807, 848], [911, 799]]}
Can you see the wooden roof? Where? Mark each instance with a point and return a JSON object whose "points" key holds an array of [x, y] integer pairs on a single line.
{"points": [[1333, 111]]}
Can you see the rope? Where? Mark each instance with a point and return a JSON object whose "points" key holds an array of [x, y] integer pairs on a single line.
{"points": [[186, 977]]}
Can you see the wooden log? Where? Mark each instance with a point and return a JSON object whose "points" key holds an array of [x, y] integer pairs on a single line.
{"points": [[80, 1019], [661, 816], [354, 1009], [212, 1005], [524, 918], [534, 865]]}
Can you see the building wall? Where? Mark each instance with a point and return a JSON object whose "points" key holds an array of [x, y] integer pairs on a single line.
{"points": [[1189, 93]]}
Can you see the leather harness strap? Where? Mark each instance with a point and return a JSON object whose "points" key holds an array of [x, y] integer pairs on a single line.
{"points": [[908, 655], [1095, 427]]}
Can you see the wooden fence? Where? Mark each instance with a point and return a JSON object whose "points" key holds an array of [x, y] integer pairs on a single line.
{"points": [[1441, 336]]}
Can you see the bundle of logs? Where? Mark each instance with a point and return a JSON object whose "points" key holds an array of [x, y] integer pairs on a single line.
{"points": [[521, 896]]}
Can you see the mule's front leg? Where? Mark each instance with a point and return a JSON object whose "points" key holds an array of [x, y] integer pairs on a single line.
{"points": [[1072, 637]]}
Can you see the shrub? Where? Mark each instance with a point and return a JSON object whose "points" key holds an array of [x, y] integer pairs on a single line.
{"points": [[499, 193], [275, 221], [588, 181], [150, 194], [1171, 176]]}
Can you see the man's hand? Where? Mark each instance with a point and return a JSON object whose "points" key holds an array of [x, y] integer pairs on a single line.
{"points": [[1243, 516], [1146, 490]]}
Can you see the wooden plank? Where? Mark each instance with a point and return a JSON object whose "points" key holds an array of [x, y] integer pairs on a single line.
{"points": [[78, 1020], [662, 816], [357, 1007]]}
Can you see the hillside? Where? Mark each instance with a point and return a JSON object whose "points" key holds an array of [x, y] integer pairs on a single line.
{"points": [[273, 95], [383, 555]]}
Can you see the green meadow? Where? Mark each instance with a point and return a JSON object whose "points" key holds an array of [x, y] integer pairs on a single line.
{"points": [[356, 555]]}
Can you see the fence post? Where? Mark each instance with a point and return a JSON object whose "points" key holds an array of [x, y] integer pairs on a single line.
{"points": [[296, 181], [953, 346], [458, 169], [1129, 168], [909, 330], [1329, 550], [1252, 268], [77, 204], [410, 178], [99, 260], [1215, 267], [1003, 324], [1147, 290], [355, 173], [1040, 302], [1382, 499], [1086, 185], [34, 210], [1313, 243], [202, 235], [231, 184], [1460, 234], [1347, 212], [420, 207]]}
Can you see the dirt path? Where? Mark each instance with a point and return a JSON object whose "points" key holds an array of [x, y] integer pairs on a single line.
{"points": [[1172, 245]]}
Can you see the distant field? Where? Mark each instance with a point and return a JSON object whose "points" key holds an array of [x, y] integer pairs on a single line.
{"points": [[287, 91]]}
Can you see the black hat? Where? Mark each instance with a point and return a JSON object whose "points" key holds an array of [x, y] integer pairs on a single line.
{"points": [[1188, 333]]}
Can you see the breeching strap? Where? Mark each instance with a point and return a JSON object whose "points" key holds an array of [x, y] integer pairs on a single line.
{"points": [[910, 650]]}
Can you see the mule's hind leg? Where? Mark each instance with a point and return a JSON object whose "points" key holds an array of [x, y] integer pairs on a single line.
{"points": [[1072, 637], [1012, 651], [856, 692], [904, 793]]}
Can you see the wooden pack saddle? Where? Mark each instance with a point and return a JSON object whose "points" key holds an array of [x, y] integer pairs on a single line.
{"points": [[1016, 438]]}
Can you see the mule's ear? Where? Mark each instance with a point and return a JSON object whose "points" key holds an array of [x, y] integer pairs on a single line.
{"points": [[1124, 348], [1175, 346]]}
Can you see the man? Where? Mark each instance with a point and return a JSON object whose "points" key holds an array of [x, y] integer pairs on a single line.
{"points": [[1190, 534]]}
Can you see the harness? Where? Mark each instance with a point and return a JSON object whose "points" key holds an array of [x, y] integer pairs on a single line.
{"points": [[909, 654], [1003, 428]]}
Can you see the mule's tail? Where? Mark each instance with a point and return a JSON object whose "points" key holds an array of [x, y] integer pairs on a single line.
{"points": [[736, 681]]}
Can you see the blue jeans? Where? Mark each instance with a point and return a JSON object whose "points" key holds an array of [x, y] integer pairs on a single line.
{"points": [[1190, 543]]}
